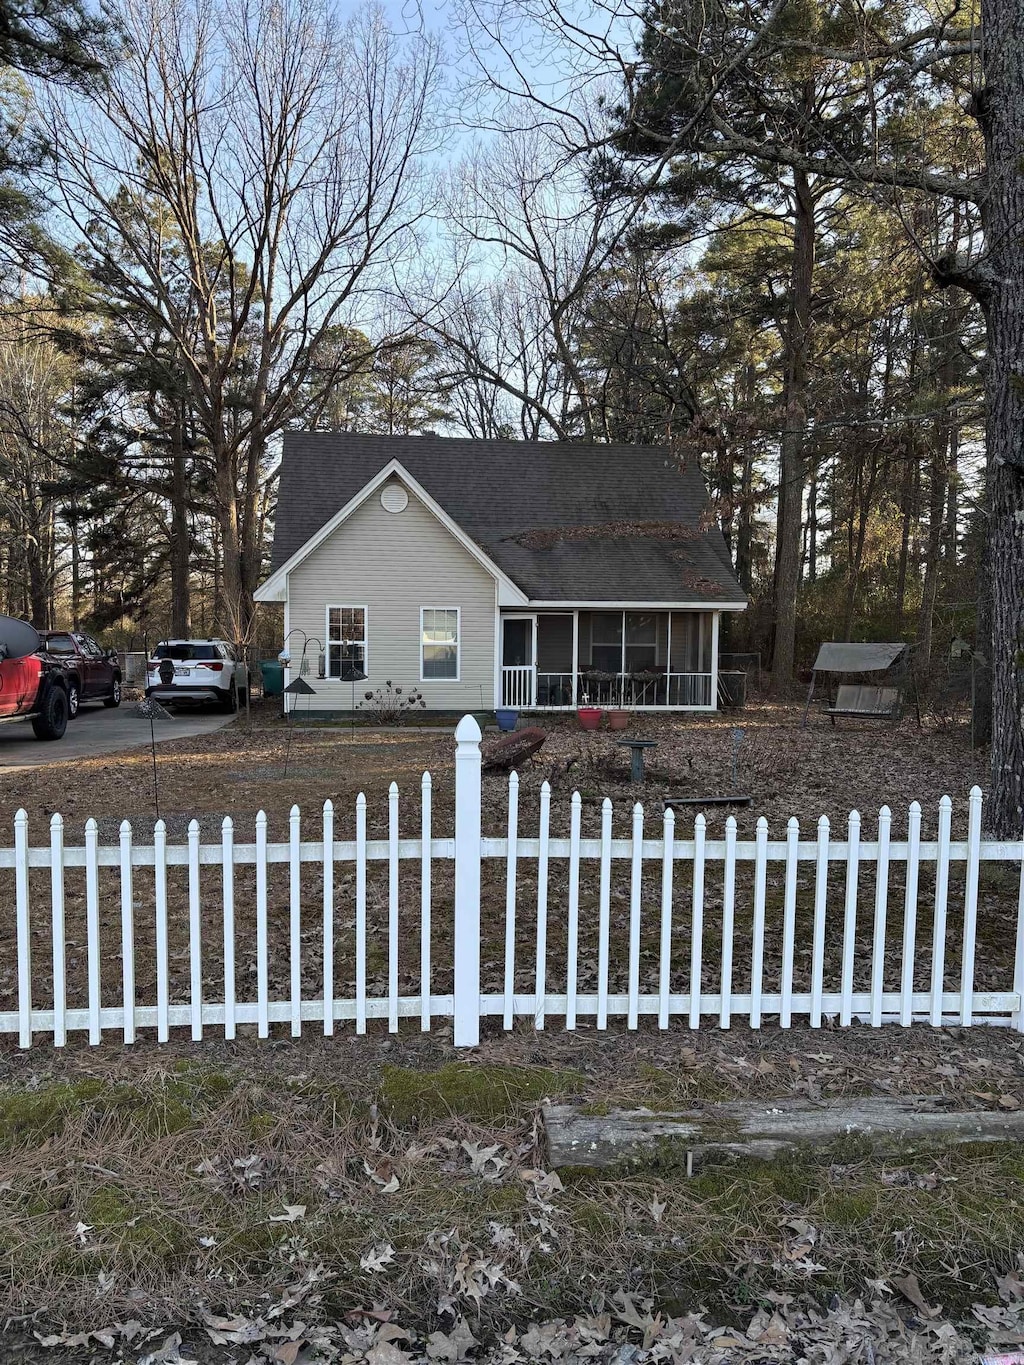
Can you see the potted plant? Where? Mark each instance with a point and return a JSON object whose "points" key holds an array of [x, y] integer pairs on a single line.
{"points": [[589, 717], [618, 720], [507, 718]]}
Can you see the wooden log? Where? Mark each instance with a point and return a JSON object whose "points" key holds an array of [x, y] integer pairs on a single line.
{"points": [[744, 1128], [512, 751]]}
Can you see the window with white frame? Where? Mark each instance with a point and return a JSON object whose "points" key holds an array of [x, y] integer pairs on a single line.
{"points": [[346, 642], [439, 643]]}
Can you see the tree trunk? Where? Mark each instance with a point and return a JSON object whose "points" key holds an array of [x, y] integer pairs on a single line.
{"points": [[181, 596], [745, 520], [791, 462], [1001, 115]]}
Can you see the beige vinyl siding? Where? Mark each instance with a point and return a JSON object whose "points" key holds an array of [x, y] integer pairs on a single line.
{"points": [[394, 564]]}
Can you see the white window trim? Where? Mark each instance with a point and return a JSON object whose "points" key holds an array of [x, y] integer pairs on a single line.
{"points": [[458, 645], [345, 606]]}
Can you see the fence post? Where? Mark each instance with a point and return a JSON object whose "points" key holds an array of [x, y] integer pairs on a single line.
{"points": [[467, 883]]}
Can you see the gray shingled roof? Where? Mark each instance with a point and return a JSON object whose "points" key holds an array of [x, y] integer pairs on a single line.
{"points": [[567, 523]]}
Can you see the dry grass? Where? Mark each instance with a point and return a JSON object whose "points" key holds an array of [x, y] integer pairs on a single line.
{"points": [[151, 1192]]}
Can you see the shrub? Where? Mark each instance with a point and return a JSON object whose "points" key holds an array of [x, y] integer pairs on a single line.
{"points": [[390, 705]]}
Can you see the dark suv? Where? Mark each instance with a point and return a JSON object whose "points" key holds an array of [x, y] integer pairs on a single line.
{"points": [[93, 673]]}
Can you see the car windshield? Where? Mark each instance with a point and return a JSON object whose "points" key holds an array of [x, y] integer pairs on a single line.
{"points": [[185, 650], [58, 644]]}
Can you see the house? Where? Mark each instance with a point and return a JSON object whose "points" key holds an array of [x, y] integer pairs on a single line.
{"points": [[533, 575]]}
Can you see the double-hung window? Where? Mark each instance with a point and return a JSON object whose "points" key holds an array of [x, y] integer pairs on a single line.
{"points": [[346, 642], [439, 643]]}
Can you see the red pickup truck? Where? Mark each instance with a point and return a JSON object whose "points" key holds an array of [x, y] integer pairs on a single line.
{"points": [[33, 683]]}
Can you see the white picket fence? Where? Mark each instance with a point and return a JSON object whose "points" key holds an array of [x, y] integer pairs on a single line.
{"points": [[673, 945]]}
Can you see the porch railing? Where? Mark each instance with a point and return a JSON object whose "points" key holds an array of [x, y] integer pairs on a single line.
{"points": [[517, 685], [554, 691]]}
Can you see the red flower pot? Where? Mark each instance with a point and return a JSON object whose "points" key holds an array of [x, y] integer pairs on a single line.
{"points": [[589, 717]]}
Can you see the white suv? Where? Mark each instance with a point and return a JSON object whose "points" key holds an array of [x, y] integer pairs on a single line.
{"points": [[197, 671]]}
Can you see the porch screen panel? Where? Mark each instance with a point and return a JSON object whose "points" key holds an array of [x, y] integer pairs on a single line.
{"points": [[641, 641], [584, 639], [606, 641], [554, 644], [691, 642]]}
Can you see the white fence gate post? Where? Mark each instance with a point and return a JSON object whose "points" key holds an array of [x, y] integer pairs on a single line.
{"points": [[467, 883]]}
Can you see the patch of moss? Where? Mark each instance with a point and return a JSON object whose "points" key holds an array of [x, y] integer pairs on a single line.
{"points": [[31, 1116], [156, 1110], [479, 1093]]}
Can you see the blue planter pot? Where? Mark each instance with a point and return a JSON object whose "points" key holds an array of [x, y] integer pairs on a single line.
{"points": [[506, 718]]}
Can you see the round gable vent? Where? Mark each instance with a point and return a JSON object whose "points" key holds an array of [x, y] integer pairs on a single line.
{"points": [[394, 498]]}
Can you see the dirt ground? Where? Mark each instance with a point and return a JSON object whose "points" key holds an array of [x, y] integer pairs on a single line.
{"points": [[789, 771]]}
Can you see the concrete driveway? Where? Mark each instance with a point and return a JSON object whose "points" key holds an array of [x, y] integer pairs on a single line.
{"points": [[96, 732]]}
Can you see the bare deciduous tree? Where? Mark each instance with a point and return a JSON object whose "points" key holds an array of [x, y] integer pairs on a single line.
{"points": [[243, 179]]}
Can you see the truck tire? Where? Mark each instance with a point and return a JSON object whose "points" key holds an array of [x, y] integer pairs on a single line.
{"points": [[74, 697], [115, 694], [52, 719]]}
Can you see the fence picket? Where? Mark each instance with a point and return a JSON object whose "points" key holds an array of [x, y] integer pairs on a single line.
{"points": [[24, 931], [466, 956], [60, 989], [328, 880], [163, 977], [910, 914], [262, 958], [360, 913], [295, 918], [227, 845], [124, 839], [635, 906], [881, 909], [604, 914], [757, 926], [939, 921], [425, 882], [540, 980], [393, 908], [697, 920], [92, 927], [573, 926], [820, 911], [728, 918], [789, 923], [195, 932], [970, 908], [512, 863], [850, 919], [668, 825]]}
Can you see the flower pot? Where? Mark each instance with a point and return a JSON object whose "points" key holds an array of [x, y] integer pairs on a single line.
{"points": [[618, 720], [506, 718], [589, 717]]}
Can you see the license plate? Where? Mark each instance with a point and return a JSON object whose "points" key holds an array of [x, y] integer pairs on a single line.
{"points": [[183, 672]]}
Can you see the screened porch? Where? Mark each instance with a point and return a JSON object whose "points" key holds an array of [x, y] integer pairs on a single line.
{"points": [[613, 659]]}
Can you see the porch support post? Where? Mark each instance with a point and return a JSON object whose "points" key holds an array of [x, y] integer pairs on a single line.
{"points": [[498, 700], [714, 660], [668, 659], [575, 655]]}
